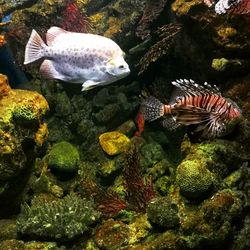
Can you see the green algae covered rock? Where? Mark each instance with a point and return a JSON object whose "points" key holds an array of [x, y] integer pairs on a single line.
{"points": [[193, 178], [66, 218], [163, 212], [64, 157]]}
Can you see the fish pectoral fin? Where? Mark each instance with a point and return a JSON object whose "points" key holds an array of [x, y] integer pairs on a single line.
{"points": [[191, 115], [47, 70], [89, 84]]}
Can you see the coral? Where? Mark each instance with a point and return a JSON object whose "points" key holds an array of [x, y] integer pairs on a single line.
{"points": [[112, 235], [108, 113], [114, 26], [193, 178], [167, 34], [21, 116], [12, 244], [63, 157], [2, 40], [108, 202], [183, 7], [75, 20], [139, 229], [7, 230], [221, 208], [151, 153], [152, 10], [114, 143], [61, 219], [24, 113], [219, 64], [4, 86], [241, 239], [139, 191], [41, 134], [163, 212]]}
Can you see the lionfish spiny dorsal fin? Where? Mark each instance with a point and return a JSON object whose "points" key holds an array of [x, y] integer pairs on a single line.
{"points": [[190, 87]]}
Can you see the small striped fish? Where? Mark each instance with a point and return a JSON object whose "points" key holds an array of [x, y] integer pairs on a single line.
{"points": [[214, 115]]}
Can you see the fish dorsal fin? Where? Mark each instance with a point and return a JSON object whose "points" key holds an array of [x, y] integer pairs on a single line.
{"points": [[52, 33], [190, 87]]}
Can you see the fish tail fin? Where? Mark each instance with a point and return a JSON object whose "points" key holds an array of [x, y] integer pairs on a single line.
{"points": [[152, 109], [34, 48]]}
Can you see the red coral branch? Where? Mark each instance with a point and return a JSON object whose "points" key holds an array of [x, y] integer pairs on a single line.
{"points": [[75, 20], [139, 190]]}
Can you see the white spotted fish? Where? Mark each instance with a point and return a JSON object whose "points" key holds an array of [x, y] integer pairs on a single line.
{"points": [[89, 59], [230, 6], [214, 115]]}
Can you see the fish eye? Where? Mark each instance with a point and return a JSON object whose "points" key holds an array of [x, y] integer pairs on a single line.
{"points": [[121, 67]]}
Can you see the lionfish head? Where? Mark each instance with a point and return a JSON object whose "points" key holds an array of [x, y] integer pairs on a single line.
{"points": [[234, 112]]}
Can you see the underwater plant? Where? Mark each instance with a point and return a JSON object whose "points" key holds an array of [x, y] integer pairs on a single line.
{"points": [[74, 19], [139, 190], [166, 34], [152, 10], [58, 219]]}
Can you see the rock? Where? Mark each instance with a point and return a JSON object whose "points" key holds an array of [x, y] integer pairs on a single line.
{"points": [[151, 154], [114, 143], [163, 212], [112, 235], [63, 158]]}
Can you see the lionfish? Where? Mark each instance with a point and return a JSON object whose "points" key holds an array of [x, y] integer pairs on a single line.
{"points": [[232, 6], [202, 105]]}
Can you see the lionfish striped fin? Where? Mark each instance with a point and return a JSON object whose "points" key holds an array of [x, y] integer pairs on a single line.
{"points": [[190, 87], [191, 115], [152, 109], [214, 127]]}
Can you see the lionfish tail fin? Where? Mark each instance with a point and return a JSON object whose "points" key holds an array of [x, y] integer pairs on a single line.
{"points": [[152, 108]]}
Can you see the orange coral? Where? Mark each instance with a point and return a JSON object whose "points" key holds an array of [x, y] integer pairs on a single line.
{"points": [[42, 134], [4, 86], [2, 40]]}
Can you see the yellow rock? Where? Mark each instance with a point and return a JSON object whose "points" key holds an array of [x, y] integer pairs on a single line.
{"points": [[114, 143]]}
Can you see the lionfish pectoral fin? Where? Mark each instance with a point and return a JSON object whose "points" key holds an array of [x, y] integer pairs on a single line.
{"points": [[191, 115], [152, 109], [169, 122]]}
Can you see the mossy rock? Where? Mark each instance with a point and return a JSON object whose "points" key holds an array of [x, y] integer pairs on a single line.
{"points": [[63, 158], [163, 212]]}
